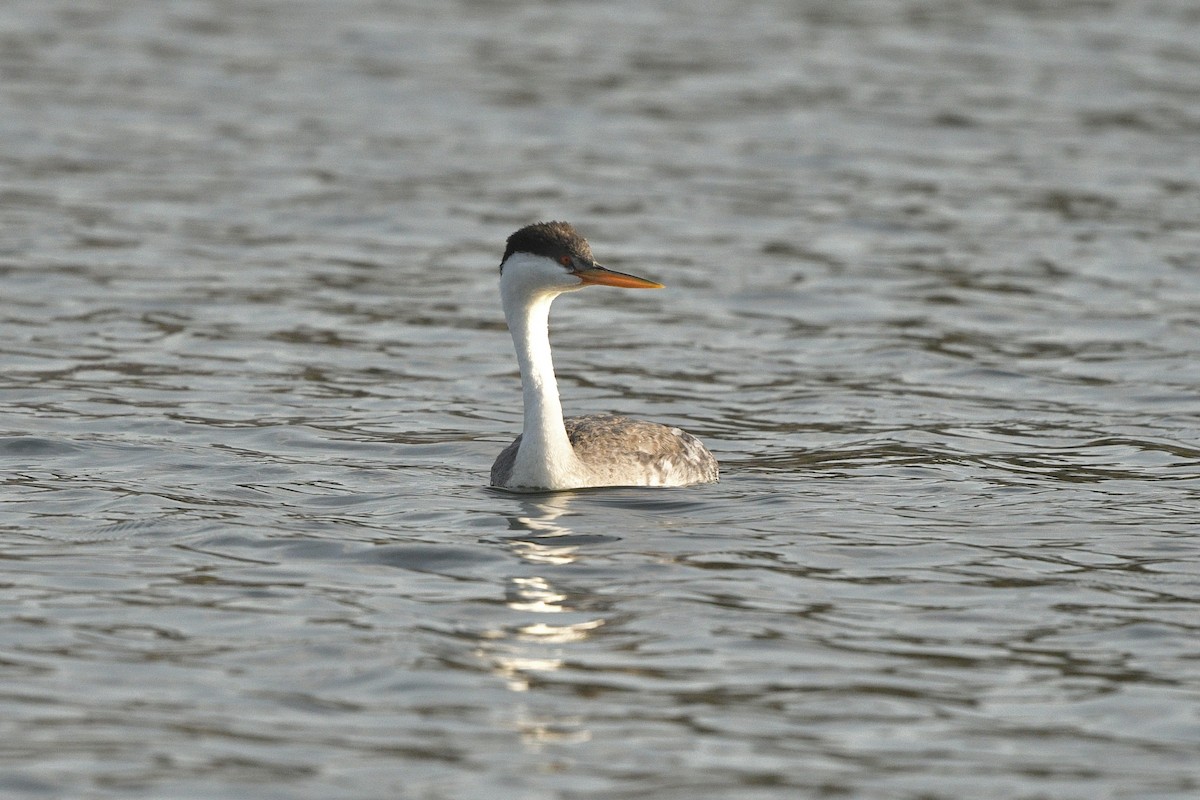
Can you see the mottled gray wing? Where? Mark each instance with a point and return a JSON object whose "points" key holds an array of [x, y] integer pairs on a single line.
{"points": [[620, 444], [503, 466]]}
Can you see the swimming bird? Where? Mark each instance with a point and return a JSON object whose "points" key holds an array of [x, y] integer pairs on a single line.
{"points": [[541, 262]]}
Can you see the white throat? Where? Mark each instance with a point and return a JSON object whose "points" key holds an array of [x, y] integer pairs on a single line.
{"points": [[545, 458]]}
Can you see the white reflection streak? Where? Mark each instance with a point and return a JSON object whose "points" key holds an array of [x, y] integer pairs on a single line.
{"points": [[537, 731], [535, 594], [543, 523], [538, 595]]}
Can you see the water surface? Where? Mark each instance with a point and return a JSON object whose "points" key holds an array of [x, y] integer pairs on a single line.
{"points": [[933, 299]]}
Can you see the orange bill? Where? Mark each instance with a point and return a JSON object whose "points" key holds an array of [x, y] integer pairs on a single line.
{"points": [[601, 276]]}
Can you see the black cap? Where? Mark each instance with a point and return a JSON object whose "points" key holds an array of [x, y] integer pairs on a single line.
{"points": [[553, 240]]}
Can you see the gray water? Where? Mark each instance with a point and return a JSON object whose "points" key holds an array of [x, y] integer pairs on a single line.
{"points": [[933, 300]]}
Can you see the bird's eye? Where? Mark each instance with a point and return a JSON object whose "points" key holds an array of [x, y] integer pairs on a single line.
{"points": [[565, 261]]}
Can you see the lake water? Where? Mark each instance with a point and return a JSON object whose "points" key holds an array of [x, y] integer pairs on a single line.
{"points": [[933, 300]]}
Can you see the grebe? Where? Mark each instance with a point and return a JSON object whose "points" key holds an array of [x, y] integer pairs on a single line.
{"points": [[541, 262]]}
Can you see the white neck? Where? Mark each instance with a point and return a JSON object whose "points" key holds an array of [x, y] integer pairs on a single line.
{"points": [[545, 457]]}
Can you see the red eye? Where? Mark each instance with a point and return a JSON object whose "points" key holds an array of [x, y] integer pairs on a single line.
{"points": [[565, 261]]}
